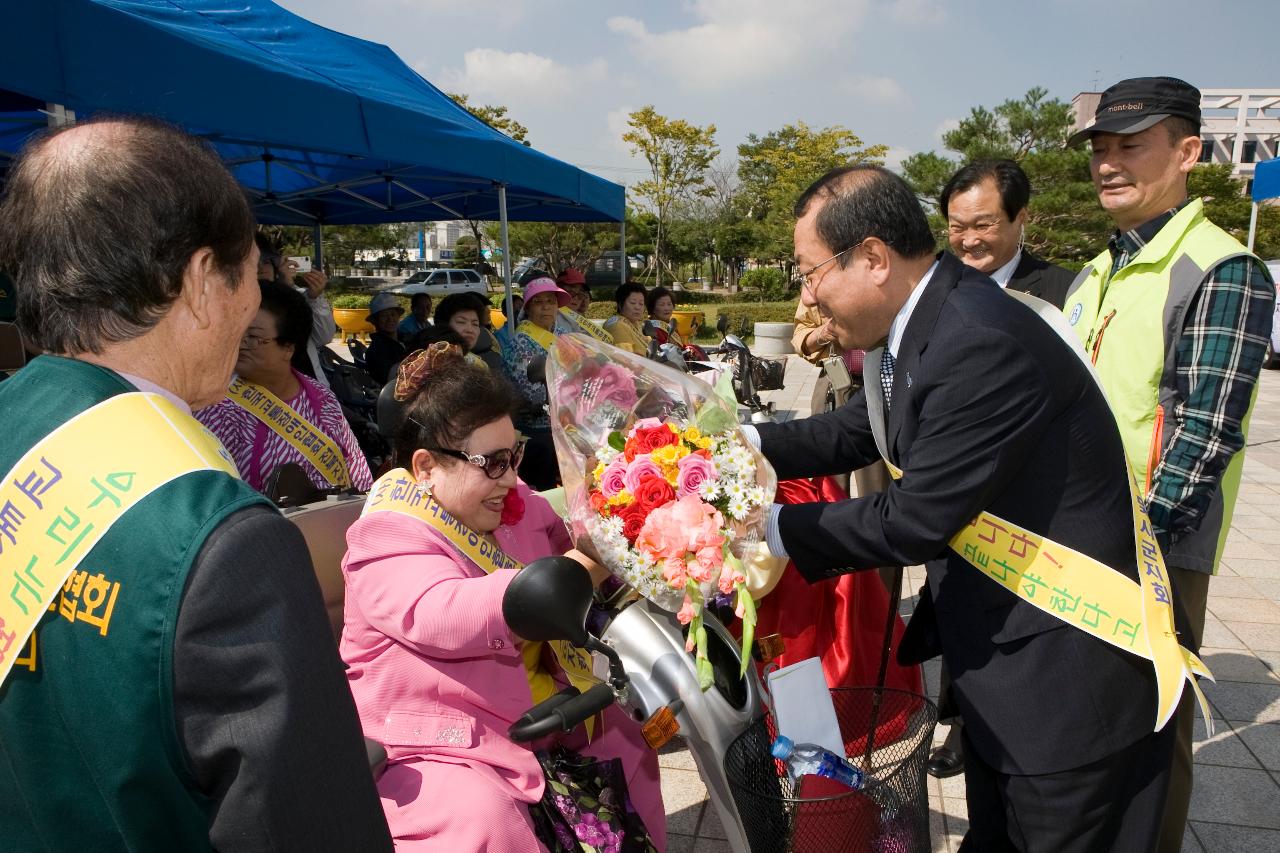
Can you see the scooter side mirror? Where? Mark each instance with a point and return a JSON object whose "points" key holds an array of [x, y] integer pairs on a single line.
{"points": [[537, 370], [650, 328], [669, 354], [548, 600], [722, 323], [734, 341]]}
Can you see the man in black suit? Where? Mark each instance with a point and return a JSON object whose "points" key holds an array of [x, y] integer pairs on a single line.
{"points": [[985, 409], [985, 205]]}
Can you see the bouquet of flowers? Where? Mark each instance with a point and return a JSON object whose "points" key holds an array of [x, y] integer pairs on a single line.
{"points": [[659, 477]]}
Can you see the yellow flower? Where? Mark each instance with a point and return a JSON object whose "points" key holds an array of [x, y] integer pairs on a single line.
{"points": [[598, 472], [621, 499], [705, 443], [692, 434], [673, 427], [669, 455]]}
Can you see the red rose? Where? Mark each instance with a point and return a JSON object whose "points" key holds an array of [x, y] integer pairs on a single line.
{"points": [[512, 508], [649, 439], [599, 503], [633, 516], [653, 493]]}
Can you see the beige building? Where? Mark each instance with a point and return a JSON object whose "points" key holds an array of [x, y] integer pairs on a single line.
{"points": [[1239, 126]]}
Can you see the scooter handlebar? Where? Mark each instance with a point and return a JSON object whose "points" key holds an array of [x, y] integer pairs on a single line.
{"points": [[561, 713]]}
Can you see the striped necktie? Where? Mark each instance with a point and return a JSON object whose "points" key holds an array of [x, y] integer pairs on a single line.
{"points": [[886, 378]]}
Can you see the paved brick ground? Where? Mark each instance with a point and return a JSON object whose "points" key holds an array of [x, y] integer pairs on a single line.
{"points": [[1236, 804]]}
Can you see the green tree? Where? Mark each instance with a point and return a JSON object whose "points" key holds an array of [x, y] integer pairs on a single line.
{"points": [[558, 245], [679, 155], [1064, 221], [496, 117], [1226, 205], [776, 168]]}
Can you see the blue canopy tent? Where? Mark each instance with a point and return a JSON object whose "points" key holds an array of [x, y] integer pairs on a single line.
{"points": [[1266, 184], [319, 127]]}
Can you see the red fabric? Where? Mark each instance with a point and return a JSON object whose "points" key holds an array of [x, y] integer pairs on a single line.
{"points": [[840, 620]]}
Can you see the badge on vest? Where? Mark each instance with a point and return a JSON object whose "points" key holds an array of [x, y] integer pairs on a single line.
{"points": [[1076, 312]]}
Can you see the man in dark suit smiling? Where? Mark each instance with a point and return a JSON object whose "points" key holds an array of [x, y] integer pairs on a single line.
{"points": [[985, 205], [984, 409]]}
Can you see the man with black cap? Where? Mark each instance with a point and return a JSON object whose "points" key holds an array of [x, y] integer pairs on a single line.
{"points": [[1176, 315]]}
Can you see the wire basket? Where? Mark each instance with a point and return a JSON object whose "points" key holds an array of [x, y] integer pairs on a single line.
{"points": [[889, 815]]}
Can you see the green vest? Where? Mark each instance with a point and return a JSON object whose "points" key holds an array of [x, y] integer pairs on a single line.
{"points": [[1130, 324], [90, 758]]}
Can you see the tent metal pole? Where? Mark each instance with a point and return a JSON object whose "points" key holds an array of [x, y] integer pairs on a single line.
{"points": [[1253, 225], [622, 251], [317, 241], [506, 261]]}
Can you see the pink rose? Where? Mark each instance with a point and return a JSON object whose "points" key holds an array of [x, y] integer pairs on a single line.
{"points": [[613, 479], [700, 522], [644, 423], [661, 536], [616, 386], [695, 469], [637, 470]]}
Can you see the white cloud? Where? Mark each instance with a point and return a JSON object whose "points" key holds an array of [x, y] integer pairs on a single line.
{"points": [[733, 41], [945, 125], [893, 159], [868, 87], [515, 77]]}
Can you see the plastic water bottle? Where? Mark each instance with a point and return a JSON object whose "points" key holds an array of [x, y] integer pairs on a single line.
{"points": [[807, 759]]}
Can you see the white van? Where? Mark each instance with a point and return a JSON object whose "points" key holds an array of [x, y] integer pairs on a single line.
{"points": [[440, 283]]}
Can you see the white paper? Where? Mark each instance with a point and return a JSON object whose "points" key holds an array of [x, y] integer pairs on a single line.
{"points": [[802, 705]]}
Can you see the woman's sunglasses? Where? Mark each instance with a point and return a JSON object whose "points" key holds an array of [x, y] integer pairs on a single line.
{"points": [[493, 464]]}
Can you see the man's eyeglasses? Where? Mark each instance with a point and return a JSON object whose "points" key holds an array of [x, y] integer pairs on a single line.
{"points": [[493, 464], [252, 341], [811, 285]]}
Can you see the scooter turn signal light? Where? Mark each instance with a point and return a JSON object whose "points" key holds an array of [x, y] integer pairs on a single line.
{"points": [[660, 728], [770, 647]]}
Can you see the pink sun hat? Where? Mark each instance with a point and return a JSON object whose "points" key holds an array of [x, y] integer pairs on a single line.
{"points": [[545, 285]]}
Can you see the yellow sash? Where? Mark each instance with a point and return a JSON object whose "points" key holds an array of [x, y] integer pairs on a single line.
{"points": [[1074, 587], [302, 435], [396, 491], [540, 335], [586, 326], [68, 490]]}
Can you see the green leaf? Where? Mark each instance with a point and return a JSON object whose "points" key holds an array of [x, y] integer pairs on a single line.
{"points": [[706, 674], [616, 441], [748, 627]]}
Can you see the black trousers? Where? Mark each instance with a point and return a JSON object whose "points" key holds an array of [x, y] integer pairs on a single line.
{"points": [[1115, 804]]}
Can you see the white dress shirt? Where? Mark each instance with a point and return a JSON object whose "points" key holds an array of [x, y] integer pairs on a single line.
{"points": [[1003, 275]]}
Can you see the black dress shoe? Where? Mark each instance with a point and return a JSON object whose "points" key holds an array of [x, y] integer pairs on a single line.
{"points": [[944, 762]]}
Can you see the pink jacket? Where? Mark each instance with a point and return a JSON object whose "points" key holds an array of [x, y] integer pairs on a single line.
{"points": [[432, 665]]}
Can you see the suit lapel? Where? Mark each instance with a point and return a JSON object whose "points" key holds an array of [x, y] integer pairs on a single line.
{"points": [[916, 338], [1027, 275]]}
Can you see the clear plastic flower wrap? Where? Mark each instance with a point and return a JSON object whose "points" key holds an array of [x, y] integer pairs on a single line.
{"points": [[658, 475]]}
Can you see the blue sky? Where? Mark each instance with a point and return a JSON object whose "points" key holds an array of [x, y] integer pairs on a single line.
{"points": [[896, 72]]}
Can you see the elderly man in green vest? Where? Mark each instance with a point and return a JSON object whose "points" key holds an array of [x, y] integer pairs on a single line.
{"points": [[169, 677], [1175, 314]]}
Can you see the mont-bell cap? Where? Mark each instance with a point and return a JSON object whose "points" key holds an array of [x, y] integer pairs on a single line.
{"points": [[381, 302], [1133, 105]]}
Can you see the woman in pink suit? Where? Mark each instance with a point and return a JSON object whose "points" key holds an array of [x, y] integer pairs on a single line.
{"points": [[437, 675]]}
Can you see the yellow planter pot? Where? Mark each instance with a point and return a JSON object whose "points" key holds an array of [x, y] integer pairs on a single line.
{"points": [[351, 321], [687, 323]]}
